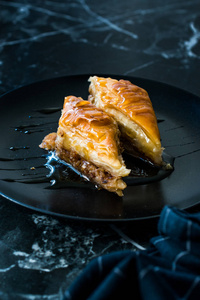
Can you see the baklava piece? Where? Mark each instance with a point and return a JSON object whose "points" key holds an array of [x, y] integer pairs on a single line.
{"points": [[131, 107], [88, 139]]}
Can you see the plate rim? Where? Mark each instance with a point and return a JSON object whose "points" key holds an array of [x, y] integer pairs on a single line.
{"points": [[87, 75], [100, 75]]}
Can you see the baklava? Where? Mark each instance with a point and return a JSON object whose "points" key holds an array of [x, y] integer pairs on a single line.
{"points": [[132, 109], [88, 139]]}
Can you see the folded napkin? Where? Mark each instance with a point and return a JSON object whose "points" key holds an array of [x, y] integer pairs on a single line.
{"points": [[169, 269]]}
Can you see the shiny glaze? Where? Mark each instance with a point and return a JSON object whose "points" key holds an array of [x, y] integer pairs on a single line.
{"points": [[62, 175], [131, 100], [90, 132], [88, 119]]}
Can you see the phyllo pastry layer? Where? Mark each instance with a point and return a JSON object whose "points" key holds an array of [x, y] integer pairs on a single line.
{"points": [[131, 107], [88, 139]]}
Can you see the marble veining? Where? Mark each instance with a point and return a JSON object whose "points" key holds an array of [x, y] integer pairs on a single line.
{"points": [[98, 23], [35, 297], [163, 32], [62, 246], [57, 247], [126, 238], [193, 41], [39, 254], [7, 269]]}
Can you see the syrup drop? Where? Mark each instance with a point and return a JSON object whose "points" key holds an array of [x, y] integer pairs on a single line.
{"points": [[50, 110], [63, 175], [19, 148]]}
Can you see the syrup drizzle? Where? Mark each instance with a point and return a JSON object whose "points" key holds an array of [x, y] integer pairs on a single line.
{"points": [[20, 158], [159, 120], [63, 175], [50, 110], [19, 148], [33, 128]]}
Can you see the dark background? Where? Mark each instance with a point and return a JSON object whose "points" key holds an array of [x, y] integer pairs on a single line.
{"points": [[158, 40]]}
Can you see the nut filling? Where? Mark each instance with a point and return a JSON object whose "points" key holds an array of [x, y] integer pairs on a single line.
{"points": [[95, 174]]}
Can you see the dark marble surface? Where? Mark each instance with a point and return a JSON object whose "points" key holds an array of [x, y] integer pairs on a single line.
{"points": [[159, 40]]}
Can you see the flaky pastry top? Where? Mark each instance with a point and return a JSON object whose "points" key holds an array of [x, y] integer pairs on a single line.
{"points": [[131, 100], [92, 133]]}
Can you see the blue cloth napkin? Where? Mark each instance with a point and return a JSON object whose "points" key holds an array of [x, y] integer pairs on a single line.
{"points": [[169, 269]]}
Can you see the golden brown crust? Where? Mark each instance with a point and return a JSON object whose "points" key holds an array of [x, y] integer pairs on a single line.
{"points": [[92, 123], [131, 107], [92, 133], [88, 139], [95, 174], [48, 142]]}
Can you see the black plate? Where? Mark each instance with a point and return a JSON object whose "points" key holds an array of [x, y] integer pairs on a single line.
{"points": [[29, 113]]}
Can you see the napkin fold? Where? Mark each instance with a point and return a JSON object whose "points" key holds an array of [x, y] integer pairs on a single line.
{"points": [[168, 269]]}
